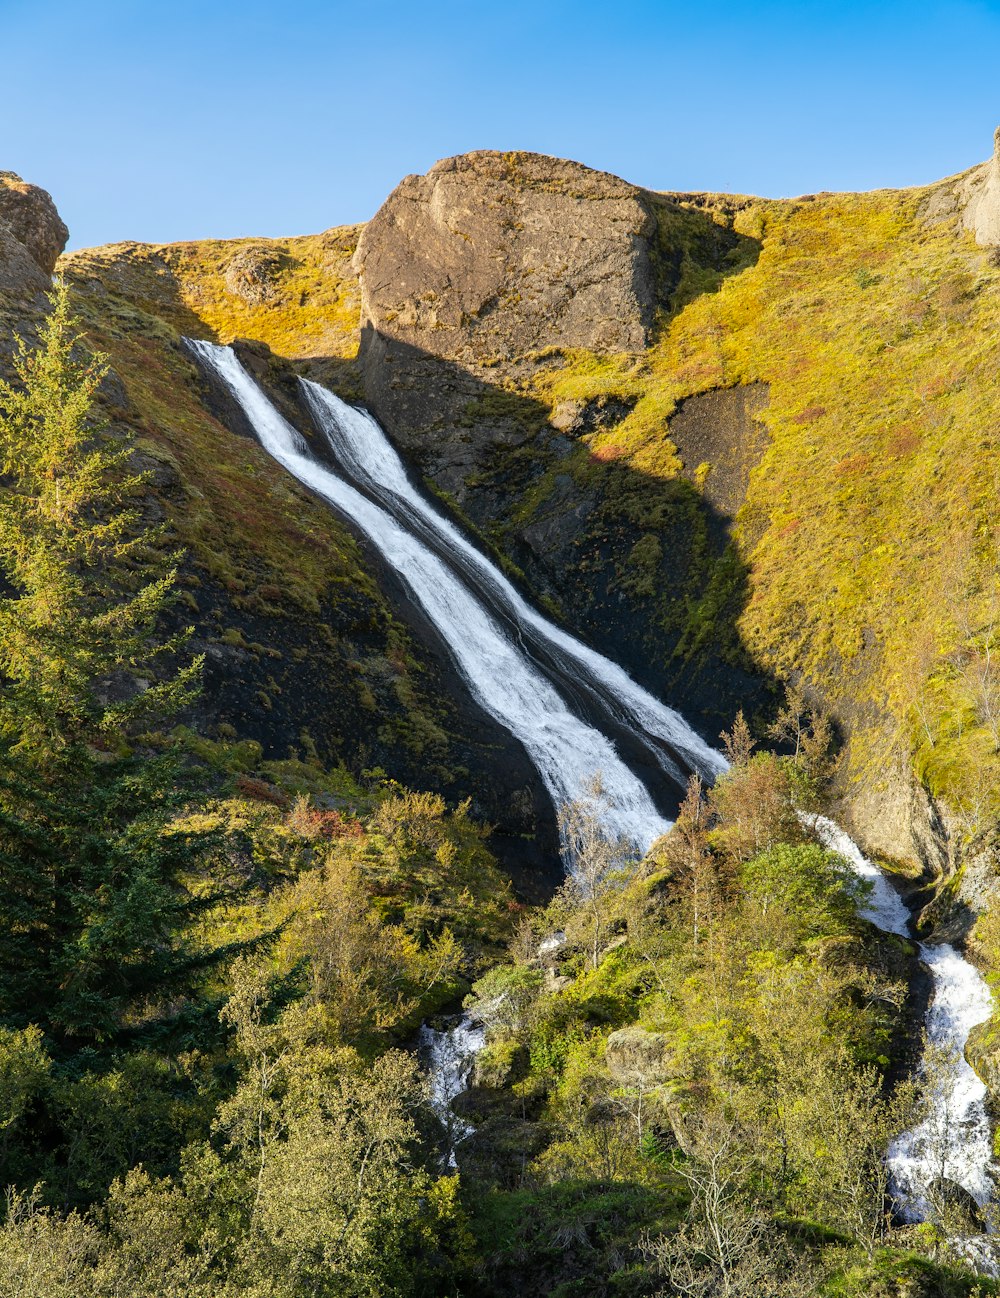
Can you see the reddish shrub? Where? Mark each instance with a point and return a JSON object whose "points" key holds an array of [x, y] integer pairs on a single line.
{"points": [[852, 464], [260, 791], [904, 441], [605, 454]]}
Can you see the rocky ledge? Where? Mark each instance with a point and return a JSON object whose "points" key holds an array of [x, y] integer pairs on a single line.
{"points": [[31, 237]]}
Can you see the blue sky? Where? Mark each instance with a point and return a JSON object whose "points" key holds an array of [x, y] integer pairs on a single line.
{"points": [[162, 121]]}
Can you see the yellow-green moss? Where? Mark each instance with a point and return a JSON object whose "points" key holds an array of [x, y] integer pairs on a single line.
{"points": [[869, 525]]}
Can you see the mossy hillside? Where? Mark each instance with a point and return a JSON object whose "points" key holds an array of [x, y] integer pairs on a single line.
{"points": [[294, 619], [868, 527], [299, 295], [861, 557]]}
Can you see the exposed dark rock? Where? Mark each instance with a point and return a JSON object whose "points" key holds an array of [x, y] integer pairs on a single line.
{"points": [[721, 439], [966, 1215], [469, 272]]}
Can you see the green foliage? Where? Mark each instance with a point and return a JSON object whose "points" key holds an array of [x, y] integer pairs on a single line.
{"points": [[93, 865], [808, 885], [87, 595]]}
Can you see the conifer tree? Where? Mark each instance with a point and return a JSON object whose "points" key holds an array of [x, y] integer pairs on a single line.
{"points": [[92, 869]]}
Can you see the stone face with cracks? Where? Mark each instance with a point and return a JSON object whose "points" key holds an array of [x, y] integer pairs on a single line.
{"points": [[31, 236], [982, 214], [493, 255], [471, 270]]}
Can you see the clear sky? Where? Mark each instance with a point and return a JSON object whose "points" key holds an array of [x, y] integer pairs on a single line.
{"points": [[157, 120]]}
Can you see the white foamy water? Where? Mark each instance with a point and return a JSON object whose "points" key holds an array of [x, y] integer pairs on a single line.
{"points": [[362, 448], [449, 1056], [884, 907], [954, 1141], [569, 754]]}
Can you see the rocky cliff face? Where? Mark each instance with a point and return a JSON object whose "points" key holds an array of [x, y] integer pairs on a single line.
{"points": [[489, 274], [32, 236], [501, 254], [732, 441], [469, 272], [982, 212]]}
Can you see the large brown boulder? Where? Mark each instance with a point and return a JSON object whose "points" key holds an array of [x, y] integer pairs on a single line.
{"points": [[470, 271], [492, 255], [31, 237]]}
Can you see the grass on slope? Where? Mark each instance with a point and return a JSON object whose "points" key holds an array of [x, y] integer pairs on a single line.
{"points": [[870, 523]]}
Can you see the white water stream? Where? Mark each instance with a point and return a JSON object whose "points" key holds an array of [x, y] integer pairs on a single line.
{"points": [[569, 753], [954, 1141], [449, 1054], [362, 448]]}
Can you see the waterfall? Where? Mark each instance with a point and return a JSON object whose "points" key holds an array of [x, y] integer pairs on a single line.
{"points": [[569, 754], [449, 1054], [953, 1142], [363, 451], [497, 639]]}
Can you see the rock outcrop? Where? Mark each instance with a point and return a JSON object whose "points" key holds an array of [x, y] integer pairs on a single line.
{"points": [[468, 272], [982, 212], [32, 236], [493, 255]]}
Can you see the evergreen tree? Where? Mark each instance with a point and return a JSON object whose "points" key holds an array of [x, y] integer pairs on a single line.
{"points": [[95, 877]]}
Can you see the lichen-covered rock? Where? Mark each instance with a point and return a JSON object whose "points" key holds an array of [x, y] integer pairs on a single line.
{"points": [[253, 274], [635, 1056], [30, 217], [982, 1050], [472, 271], [492, 255], [982, 214]]}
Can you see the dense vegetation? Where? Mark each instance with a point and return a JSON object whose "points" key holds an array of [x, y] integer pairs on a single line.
{"points": [[213, 969]]}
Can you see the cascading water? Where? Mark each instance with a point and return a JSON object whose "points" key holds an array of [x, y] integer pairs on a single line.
{"points": [[509, 684], [570, 755], [953, 1142], [450, 1054], [362, 449]]}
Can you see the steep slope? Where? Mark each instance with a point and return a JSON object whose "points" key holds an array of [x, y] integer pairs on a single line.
{"points": [[309, 647], [734, 441], [842, 348]]}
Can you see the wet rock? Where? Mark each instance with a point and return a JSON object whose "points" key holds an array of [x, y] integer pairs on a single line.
{"points": [[964, 1214], [982, 1051]]}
